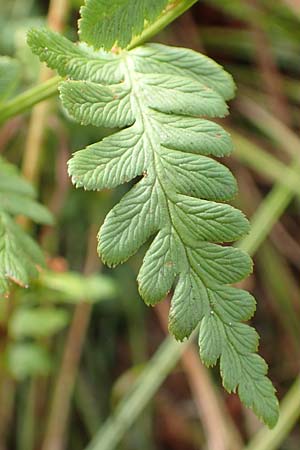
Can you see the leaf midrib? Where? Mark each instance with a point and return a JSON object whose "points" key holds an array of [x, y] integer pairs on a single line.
{"points": [[138, 95]]}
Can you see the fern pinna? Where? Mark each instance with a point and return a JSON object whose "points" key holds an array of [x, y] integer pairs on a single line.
{"points": [[161, 98]]}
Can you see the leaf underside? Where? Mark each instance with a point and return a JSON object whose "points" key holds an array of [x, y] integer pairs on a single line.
{"points": [[19, 254], [162, 99], [101, 21]]}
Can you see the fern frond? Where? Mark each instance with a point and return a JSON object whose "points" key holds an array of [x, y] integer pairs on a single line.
{"points": [[101, 21], [19, 254], [162, 99]]}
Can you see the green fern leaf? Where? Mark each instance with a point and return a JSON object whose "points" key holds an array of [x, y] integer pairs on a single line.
{"points": [[162, 99], [19, 254], [102, 21]]}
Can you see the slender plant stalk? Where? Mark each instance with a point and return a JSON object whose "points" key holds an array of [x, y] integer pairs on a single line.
{"points": [[87, 405], [34, 143], [26, 430], [268, 69], [33, 149], [57, 13], [284, 291], [60, 406], [7, 384], [275, 203], [265, 218], [29, 98], [35, 137], [278, 199], [132, 405], [55, 434], [247, 76], [277, 274], [9, 131], [251, 155], [270, 125], [287, 244], [173, 10]]}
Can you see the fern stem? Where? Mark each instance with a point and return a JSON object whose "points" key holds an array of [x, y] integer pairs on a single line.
{"points": [[55, 434], [271, 261], [270, 125], [173, 11], [265, 217], [256, 158], [56, 429], [29, 98], [57, 13], [35, 136], [31, 168], [278, 199], [290, 411], [131, 406]]}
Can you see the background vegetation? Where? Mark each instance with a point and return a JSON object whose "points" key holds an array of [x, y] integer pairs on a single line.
{"points": [[84, 363]]}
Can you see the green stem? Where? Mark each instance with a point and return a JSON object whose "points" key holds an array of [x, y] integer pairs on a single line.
{"points": [[131, 406], [282, 193], [29, 98], [49, 88], [269, 124], [267, 439], [265, 218], [251, 155], [174, 10]]}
